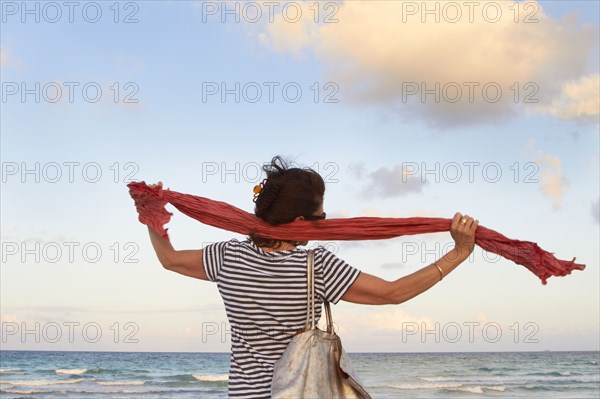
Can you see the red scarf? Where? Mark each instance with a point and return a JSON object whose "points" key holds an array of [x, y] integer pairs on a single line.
{"points": [[150, 203]]}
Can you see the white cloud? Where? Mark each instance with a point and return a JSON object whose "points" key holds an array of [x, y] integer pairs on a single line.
{"points": [[552, 180], [377, 50], [357, 169], [596, 211], [578, 101], [393, 320], [385, 182]]}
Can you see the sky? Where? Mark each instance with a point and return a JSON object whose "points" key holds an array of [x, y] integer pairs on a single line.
{"points": [[488, 108]]}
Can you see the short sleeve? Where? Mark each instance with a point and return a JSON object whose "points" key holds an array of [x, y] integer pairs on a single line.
{"points": [[338, 275], [212, 259]]}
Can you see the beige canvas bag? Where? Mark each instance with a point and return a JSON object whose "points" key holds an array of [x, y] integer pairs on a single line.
{"points": [[314, 364]]}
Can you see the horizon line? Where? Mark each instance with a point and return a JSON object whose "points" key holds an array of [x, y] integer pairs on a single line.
{"points": [[229, 352]]}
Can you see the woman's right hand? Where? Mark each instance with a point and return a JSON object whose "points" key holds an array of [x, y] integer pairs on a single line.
{"points": [[463, 233]]}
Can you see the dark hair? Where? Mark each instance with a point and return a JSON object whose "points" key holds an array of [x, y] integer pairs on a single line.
{"points": [[286, 194]]}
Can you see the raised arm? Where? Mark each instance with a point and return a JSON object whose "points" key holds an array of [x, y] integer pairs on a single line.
{"points": [[372, 290], [186, 262]]}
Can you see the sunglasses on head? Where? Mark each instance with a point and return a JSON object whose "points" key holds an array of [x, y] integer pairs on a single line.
{"points": [[316, 217]]}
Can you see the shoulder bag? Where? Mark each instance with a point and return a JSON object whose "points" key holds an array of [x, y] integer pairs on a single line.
{"points": [[314, 364]]}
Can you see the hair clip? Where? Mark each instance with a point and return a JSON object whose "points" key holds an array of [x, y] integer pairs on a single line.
{"points": [[258, 189]]}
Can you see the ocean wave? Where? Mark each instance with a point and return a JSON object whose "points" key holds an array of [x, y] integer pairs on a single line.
{"points": [[476, 389], [538, 387], [130, 392], [451, 387], [435, 379], [181, 378], [10, 370], [120, 383], [427, 386], [211, 377], [79, 392], [37, 383], [518, 380], [499, 388], [23, 392], [71, 371], [98, 370], [551, 374]]}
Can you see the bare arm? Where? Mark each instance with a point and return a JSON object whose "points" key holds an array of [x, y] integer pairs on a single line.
{"points": [[186, 262], [372, 290]]}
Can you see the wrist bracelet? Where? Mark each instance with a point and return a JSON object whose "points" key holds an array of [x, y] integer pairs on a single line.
{"points": [[440, 270]]}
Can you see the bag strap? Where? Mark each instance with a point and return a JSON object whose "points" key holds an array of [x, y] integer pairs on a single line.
{"points": [[310, 291], [310, 296], [329, 318]]}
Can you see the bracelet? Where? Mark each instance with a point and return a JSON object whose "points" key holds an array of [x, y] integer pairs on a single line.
{"points": [[440, 270]]}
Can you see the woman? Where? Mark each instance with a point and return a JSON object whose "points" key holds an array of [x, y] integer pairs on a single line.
{"points": [[263, 281]]}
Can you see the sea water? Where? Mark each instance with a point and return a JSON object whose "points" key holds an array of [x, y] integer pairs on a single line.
{"points": [[40, 374]]}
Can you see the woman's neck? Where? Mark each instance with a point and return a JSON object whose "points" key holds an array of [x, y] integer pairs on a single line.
{"points": [[281, 246]]}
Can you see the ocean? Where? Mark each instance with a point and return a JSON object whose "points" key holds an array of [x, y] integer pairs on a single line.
{"points": [[41, 374]]}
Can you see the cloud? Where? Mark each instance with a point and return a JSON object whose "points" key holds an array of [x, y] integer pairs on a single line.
{"points": [[358, 169], [394, 320], [579, 100], [380, 51], [596, 210], [385, 182], [552, 181], [42, 237]]}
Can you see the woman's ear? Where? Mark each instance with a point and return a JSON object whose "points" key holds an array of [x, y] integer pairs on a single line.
{"points": [[299, 218]]}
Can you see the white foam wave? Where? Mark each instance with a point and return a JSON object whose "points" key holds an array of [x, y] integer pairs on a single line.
{"points": [[9, 370], [22, 392], [426, 386], [514, 379], [435, 379], [71, 371], [120, 383], [211, 377], [471, 389], [478, 389], [39, 383]]}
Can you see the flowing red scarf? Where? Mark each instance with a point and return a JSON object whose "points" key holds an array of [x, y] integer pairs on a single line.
{"points": [[150, 203]]}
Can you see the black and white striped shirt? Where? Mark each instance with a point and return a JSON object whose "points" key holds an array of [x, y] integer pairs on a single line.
{"points": [[265, 299]]}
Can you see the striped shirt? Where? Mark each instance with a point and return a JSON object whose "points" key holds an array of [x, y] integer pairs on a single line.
{"points": [[265, 300]]}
